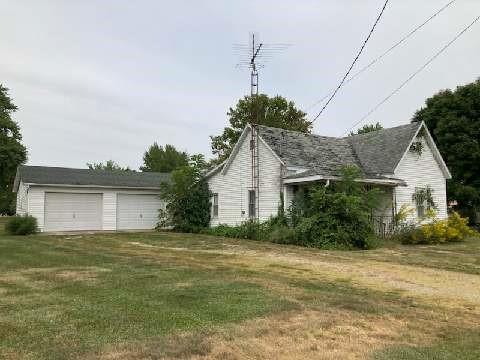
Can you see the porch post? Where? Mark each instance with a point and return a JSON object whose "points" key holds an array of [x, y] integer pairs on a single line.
{"points": [[287, 196]]}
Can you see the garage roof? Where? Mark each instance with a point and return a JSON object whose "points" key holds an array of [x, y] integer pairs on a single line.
{"points": [[46, 175]]}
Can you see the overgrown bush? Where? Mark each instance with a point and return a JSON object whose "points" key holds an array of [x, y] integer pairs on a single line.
{"points": [[335, 219], [453, 229], [21, 225], [188, 199], [337, 216]]}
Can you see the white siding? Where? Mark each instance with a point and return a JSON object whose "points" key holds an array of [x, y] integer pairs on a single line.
{"points": [[110, 210], [36, 202], [419, 171], [22, 199], [232, 187]]}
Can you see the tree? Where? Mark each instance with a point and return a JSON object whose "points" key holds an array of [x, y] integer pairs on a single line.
{"points": [[160, 159], [453, 118], [275, 112], [12, 152], [368, 128], [109, 165], [188, 198]]}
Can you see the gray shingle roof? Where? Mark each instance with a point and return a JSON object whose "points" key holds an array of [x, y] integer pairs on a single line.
{"points": [[374, 153], [67, 176], [324, 155], [380, 151]]}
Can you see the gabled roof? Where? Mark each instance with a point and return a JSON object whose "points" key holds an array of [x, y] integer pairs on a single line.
{"points": [[377, 154], [320, 154], [380, 151], [45, 175]]}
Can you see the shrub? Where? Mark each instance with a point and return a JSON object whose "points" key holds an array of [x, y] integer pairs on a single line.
{"points": [[275, 230], [281, 234], [250, 229], [21, 225], [188, 199], [453, 229], [335, 217]]}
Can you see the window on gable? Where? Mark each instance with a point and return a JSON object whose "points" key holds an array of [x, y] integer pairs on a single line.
{"points": [[215, 204], [252, 203]]}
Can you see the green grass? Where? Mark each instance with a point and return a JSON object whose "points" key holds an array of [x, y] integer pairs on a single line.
{"points": [[3, 221], [130, 298], [452, 347], [64, 297]]}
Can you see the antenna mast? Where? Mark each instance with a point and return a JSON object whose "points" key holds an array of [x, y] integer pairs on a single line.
{"points": [[254, 132], [256, 55]]}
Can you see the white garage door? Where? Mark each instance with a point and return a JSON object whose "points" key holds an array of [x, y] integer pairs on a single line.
{"points": [[73, 211], [137, 211]]}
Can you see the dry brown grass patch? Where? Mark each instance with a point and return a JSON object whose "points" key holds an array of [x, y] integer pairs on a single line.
{"points": [[44, 278], [179, 346]]}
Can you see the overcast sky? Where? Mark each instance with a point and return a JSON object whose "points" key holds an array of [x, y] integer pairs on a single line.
{"points": [[98, 80]]}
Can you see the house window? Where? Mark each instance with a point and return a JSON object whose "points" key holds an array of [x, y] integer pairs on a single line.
{"points": [[251, 203], [215, 204], [423, 198], [420, 210]]}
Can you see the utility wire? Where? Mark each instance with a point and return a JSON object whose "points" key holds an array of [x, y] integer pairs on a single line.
{"points": [[354, 61], [385, 53], [437, 54]]}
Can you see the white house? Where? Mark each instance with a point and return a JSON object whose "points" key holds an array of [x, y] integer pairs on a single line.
{"points": [[402, 160], [64, 199]]}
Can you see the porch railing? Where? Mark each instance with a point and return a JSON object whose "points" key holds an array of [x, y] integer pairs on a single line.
{"points": [[383, 225]]}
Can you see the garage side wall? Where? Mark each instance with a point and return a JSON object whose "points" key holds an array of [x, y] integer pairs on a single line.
{"points": [[36, 202], [22, 199]]}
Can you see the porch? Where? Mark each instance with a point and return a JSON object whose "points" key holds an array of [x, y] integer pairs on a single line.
{"points": [[382, 218]]}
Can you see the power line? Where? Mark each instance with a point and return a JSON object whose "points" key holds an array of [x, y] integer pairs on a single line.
{"points": [[385, 53], [354, 61], [437, 54]]}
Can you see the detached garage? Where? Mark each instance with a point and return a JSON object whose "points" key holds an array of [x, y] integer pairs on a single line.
{"points": [[64, 199]]}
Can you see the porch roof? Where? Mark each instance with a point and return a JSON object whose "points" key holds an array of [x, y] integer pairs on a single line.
{"points": [[311, 176]]}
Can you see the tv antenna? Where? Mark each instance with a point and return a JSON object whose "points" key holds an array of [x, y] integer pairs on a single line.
{"points": [[254, 56]]}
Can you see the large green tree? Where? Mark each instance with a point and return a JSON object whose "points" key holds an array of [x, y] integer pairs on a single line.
{"points": [[264, 110], [163, 159], [367, 128], [12, 152], [109, 165], [453, 118]]}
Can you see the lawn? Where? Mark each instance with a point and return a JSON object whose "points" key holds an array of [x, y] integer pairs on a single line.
{"points": [[177, 296]]}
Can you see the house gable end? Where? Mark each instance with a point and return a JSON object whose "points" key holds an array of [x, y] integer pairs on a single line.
{"points": [[244, 137], [433, 148]]}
